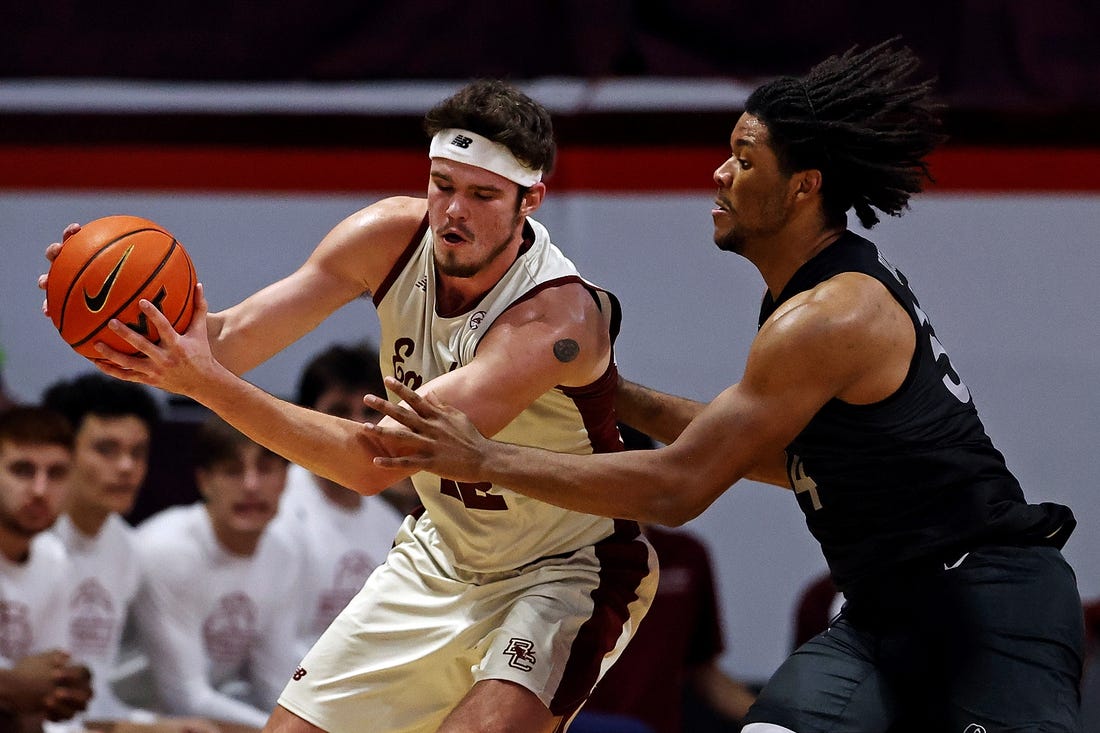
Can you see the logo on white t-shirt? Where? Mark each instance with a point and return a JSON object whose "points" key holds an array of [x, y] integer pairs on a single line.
{"points": [[93, 619]]}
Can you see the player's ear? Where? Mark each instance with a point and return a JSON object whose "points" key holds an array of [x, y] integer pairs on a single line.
{"points": [[532, 199], [806, 182]]}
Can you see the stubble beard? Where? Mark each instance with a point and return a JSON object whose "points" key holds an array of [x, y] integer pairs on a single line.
{"points": [[730, 241], [774, 217], [448, 264]]}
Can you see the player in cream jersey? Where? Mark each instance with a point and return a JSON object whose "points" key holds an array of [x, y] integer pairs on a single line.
{"points": [[485, 585], [491, 612], [482, 528]]}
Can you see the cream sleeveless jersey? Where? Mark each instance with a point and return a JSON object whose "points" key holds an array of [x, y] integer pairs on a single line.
{"points": [[484, 527]]}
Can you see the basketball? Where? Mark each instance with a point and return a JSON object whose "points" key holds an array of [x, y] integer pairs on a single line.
{"points": [[103, 271]]}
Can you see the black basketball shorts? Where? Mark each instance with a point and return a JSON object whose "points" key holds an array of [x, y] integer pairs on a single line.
{"points": [[992, 644]]}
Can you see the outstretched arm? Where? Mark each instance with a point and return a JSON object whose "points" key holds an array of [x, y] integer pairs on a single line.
{"points": [[349, 262], [664, 416], [516, 362], [185, 364], [668, 485], [830, 343]]}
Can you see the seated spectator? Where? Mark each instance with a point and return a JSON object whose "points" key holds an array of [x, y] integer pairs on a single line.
{"points": [[334, 382], [341, 535], [37, 679], [113, 421], [673, 657], [213, 608]]}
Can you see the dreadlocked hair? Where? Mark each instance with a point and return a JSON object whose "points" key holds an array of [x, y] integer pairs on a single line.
{"points": [[859, 120]]}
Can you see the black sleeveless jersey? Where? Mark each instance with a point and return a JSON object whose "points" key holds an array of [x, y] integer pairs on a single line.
{"points": [[913, 477]]}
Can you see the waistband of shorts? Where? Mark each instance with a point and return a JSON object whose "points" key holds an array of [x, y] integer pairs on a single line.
{"points": [[928, 567]]}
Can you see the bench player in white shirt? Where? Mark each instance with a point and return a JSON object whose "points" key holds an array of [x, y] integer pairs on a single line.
{"points": [[113, 423], [493, 612], [213, 610], [37, 679]]}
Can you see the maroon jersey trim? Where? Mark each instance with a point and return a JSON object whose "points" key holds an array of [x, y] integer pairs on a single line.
{"points": [[401, 262]]}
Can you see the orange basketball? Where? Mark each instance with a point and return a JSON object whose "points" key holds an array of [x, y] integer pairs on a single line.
{"points": [[105, 269]]}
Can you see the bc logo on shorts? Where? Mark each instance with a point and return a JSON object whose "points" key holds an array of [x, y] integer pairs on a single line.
{"points": [[522, 652], [974, 728]]}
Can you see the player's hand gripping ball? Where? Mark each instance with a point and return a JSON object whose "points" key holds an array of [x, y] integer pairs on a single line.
{"points": [[103, 271]]}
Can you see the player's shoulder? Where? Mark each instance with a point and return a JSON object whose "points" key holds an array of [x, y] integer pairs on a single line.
{"points": [[396, 217], [560, 327], [569, 303], [844, 304]]}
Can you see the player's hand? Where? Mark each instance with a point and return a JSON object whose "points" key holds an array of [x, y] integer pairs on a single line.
{"points": [[434, 437], [178, 363], [52, 250]]}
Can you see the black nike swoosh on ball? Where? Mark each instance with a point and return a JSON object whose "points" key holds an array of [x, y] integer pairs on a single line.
{"points": [[95, 302]]}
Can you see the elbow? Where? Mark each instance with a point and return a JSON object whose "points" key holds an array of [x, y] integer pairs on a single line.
{"points": [[675, 515], [678, 499], [362, 485], [669, 509], [371, 482]]}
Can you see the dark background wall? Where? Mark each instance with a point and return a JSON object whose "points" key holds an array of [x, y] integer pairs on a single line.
{"points": [[1002, 65]]}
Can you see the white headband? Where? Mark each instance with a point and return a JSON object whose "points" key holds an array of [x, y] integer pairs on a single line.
{"points": [[463, 146]]}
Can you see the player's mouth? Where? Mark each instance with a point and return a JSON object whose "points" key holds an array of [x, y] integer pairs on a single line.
{"points": [[249, 508], [456, 234], [721, 207]]}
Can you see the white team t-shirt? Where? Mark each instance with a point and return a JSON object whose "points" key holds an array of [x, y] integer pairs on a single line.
{"points": [[340, 547], [213, 621], [106, 577], [33, 600]]}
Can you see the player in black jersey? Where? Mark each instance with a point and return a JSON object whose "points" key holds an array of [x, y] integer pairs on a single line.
{"points": [[961, 614]]}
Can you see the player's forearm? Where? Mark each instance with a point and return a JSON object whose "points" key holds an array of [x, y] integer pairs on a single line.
{"points": [[626, 485], [239, 344], [657, 414], [328, 446]]}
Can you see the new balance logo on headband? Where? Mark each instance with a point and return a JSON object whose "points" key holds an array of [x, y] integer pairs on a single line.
{"points": [[462, 141]]}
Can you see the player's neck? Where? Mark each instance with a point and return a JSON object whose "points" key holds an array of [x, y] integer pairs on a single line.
{"points": [[779, 259], [88, 520], [456, 295], [236, 542]]}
